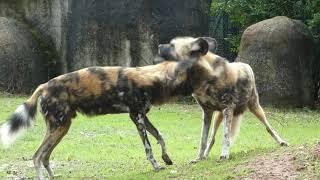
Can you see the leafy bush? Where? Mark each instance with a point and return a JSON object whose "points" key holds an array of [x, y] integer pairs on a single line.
{"points": [[244, 13]]}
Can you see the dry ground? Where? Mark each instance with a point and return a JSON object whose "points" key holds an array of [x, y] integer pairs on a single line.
{"points": [[290, 163]]}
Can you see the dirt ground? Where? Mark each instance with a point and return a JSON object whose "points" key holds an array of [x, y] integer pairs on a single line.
{"points": [[289, 163]]}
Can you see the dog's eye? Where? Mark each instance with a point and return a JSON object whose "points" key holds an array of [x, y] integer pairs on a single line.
{"points": [[193, 53], [171, 45]]}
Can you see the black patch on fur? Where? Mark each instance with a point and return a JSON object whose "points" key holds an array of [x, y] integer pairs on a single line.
{"points": [[242, 86], [203, 48], [56, 90], [212, 81], [243, 95], [123, 82], [227, 95], [16, 122], [56, 111], [72, 77], [104, 104], [213, 45], [195, 76]]}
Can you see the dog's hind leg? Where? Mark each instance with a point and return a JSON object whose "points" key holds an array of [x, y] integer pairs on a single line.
{"points": [[235, 127], [206, 123], [139, 121], [217, 121], [257, 110], [57, 138], [53, 136], [155, 133], [227, 118]]}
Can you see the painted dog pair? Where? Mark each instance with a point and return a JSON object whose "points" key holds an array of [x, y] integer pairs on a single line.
{"points": [[216, 84]]}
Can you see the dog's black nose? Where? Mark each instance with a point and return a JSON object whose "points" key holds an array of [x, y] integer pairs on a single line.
{"points": [[160, 49]]}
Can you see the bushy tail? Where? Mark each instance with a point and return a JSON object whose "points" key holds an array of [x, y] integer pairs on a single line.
{"points": [[20, 120], [235, 127]]}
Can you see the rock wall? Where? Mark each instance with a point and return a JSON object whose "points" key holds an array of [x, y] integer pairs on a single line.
{"points": [[74, 34], [22, 62]]}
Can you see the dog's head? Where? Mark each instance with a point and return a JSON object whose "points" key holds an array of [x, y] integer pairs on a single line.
{"points": [[183, 48]]}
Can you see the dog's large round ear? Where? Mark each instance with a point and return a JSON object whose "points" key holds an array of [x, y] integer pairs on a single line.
{"points": [[212, 42], [200, 46]]}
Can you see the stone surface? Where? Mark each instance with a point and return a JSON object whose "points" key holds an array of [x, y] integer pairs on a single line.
{"points": [[280, 51], [78, 33], [21, 63]]}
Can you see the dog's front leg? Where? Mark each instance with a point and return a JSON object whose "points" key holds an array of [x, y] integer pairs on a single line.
{"points": [[227, 118], [206, 123], [139, 120], [154, 132]]}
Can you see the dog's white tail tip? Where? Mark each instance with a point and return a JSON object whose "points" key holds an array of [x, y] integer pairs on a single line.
{"points": [[6, 137]]}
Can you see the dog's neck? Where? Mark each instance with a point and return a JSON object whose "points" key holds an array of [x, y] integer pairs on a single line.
{"points": [[179, 82]]}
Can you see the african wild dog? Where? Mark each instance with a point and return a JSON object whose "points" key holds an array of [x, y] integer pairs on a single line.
{"points": [[228, 88], [100, 90]]}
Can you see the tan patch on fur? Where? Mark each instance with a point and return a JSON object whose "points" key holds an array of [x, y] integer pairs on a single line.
{"points": [[147, 75], [90, 83], [139, 77], [232, 74], [182, 45], [112, 74]]}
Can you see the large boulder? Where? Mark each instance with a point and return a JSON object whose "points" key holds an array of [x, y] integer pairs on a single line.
{"points": [[280, 51], [21, 63]]}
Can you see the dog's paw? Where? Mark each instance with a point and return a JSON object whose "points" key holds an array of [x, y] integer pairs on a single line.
{"points": [[159, 168], [166, 159], [194, 161], [56, 176], [224, 157], [197, 160], [283, 143]]}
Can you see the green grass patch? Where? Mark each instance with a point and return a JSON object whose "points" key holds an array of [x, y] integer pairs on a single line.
{"points": [[109, 146]]}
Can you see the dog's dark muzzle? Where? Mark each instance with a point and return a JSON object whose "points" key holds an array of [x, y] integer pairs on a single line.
{"points": [[166, 52]]}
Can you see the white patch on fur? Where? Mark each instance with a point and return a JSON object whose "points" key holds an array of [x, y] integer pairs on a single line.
{"points": [[146, 145], [7, 138], [218, 71], [120, 94], [140, 120], [235, 128], [183, 45], [225, 140], [195, 47]]}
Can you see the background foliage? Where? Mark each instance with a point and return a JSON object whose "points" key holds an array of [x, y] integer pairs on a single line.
{"points": [[243, 13]]}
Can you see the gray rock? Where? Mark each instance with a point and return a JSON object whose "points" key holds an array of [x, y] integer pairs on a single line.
{"points": [[281, 52]]}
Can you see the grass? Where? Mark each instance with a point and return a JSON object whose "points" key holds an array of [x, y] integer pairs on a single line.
{"points": [[109, 146]]}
